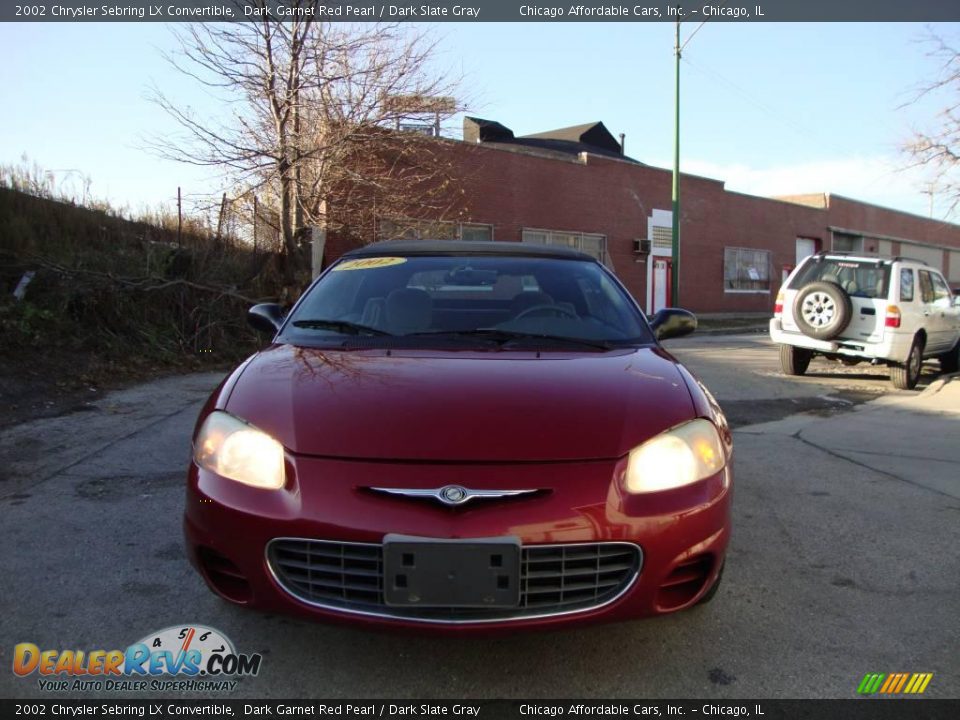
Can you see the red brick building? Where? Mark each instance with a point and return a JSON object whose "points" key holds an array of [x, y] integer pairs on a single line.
{"points": [[575, 187]]}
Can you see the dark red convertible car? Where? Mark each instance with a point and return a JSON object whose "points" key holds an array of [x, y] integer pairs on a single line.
{"points": [[462, 436]]}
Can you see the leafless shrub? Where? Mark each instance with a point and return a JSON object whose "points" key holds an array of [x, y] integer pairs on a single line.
{"points": [[310, 126], [938, 148]]}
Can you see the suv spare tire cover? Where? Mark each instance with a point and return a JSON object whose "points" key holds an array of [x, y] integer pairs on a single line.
{"points": [[822, 310]]}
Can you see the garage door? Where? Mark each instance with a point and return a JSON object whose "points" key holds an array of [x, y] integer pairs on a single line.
{"points": [[805, 248], [931, 256]]}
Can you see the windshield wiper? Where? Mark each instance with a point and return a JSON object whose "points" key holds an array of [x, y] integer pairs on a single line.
{"points": [[343, 326], [502, 337]]}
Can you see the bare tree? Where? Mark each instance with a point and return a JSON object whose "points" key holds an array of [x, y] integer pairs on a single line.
{"points": [[311, 113], [938, 149]]}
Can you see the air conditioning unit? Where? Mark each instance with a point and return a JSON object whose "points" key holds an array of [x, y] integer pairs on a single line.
{"points": [[641, 247]]}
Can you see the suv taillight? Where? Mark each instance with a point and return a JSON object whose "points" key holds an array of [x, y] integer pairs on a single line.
{"points": [[893, 317], [778, 306]]}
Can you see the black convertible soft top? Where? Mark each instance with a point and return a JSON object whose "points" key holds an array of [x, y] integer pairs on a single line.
{"points": [[464, 247]]}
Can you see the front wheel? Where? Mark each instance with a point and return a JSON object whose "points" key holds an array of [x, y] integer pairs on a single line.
{"points": [[905, 377], [794, 360], [950, 361]]}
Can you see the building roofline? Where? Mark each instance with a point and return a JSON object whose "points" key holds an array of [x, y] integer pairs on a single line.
{"points": [[578, 159], [515, 144], [927, 218], [890, 238]]}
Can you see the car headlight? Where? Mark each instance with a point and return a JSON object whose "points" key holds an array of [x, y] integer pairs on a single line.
{"points": [[236, 450], [678, 457]]}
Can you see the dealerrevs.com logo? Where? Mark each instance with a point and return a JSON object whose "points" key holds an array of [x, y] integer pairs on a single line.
{"points": [[179, 658]]}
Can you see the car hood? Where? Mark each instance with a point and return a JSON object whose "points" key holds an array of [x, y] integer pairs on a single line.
{"points": [[461, 406]]}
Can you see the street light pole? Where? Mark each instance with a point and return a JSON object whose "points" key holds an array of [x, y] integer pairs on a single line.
{"points": [[675, 265]]}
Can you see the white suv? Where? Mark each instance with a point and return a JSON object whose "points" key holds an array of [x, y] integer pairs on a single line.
{"points": [[850, 308]]}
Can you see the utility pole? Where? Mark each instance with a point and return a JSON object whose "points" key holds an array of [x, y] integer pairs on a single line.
{"points": [[675, 265], [930, 191], [179, 218], [254, 224], [223, 210]]}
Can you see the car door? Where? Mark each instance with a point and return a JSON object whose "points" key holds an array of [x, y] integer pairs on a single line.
{"points": [[945, 312], [932, 320]]}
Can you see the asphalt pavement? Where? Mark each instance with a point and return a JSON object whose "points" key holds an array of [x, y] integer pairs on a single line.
{"points": [[843, 559]]}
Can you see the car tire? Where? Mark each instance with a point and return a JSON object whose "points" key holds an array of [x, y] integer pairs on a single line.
{"points": [[822, 310], [950, 361], [905, 376], [794, 360], [709, 594]]}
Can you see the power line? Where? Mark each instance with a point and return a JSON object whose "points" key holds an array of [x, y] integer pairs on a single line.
{"points": [[784, 121], [696, 30]]}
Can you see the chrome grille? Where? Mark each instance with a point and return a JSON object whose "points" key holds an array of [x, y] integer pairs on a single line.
{"points": [[554, 579]]}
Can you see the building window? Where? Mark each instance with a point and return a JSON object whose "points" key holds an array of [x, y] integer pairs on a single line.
{"points": [[476, 231], [591, 243], [410, 229], [746, 270], [842, 242]]}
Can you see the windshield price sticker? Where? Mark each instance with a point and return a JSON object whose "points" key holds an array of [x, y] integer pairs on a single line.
{"points": [[369, 263]]}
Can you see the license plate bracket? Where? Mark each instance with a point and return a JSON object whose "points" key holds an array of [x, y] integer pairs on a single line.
{"points": [[470, 573]]}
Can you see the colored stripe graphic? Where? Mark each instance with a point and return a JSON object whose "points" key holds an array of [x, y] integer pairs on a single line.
{"points": [[891, 681], [894, 683], [870, 683]]}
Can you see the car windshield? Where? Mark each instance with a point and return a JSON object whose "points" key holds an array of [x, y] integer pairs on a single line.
{"points": [[860, 278], [467, 300]]}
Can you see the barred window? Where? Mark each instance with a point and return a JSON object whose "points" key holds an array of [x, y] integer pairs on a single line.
{"points": [[590, 243], [476, 231], [746, 270], [844, 242], [410, 229]]}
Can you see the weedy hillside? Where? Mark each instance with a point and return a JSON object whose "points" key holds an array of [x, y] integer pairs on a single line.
{"points": [[90, 298]]}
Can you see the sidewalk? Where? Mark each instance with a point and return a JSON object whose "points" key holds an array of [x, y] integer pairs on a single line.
{"points": [[733, 323], [915, 439]]}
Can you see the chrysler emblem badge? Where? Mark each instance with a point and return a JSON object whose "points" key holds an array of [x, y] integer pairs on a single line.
{"points": [[453, 494]]}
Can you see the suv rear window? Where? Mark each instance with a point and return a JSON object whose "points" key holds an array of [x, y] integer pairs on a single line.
{"points": [[860, 278]]}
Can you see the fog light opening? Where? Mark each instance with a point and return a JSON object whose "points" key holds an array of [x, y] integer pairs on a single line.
{"points": [[685, 582], [224, 576]]}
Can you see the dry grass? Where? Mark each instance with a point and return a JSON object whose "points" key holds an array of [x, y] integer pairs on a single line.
{"points": [[115, 297]]}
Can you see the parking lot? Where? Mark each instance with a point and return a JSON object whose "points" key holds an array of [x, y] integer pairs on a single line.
{"points": [[843, 559]]}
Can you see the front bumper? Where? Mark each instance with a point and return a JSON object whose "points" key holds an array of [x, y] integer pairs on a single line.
{"points": [[893, 346], [681, 534]]}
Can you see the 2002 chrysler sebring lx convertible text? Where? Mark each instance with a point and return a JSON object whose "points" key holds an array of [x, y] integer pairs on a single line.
{"points": [[462, 436]]}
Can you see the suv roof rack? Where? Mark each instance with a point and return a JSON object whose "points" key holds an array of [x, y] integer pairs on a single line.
{"points": [[870, 255]]}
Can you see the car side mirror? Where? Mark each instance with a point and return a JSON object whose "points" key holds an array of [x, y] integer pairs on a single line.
{"points": [[673, 323], [266, 317]]}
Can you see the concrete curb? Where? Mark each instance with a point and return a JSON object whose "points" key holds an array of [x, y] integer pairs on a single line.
{"points": [[939, 384], [746, 330]]}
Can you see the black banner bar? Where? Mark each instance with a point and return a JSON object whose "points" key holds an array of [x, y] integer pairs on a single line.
{"points": [[482, 11], [858, 709]]}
